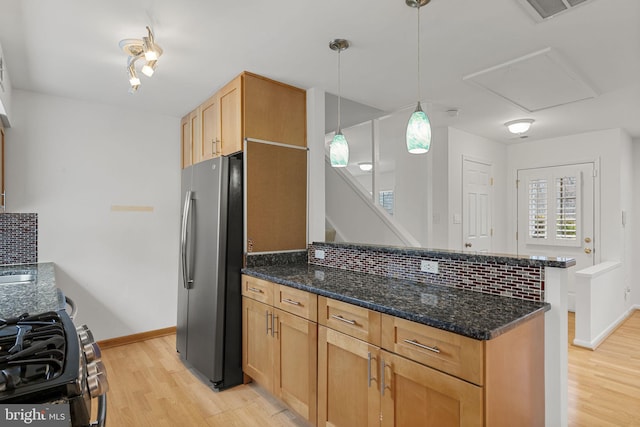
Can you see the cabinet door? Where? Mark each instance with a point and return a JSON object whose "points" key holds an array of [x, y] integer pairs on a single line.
{"points": [[209, 116], [230, 105], [348, 390], [415, 395], [257, 344], [185, 141], [196, 136], [295, 356], [274, 111]]}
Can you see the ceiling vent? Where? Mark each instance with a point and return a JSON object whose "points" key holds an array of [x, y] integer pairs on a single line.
{"points": [[541, 10]]}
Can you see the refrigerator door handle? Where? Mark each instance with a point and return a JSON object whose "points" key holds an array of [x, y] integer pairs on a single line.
{"points": [[186, 213]]}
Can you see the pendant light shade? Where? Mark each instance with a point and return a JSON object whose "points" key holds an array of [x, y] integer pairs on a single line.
{"points": [[418, 132], [339, 148], [339, 151], [419, 126]]}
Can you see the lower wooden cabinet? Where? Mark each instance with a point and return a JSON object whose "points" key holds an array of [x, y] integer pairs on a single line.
{"points": [[361, 385], [280, 353], [348, 386], [257, 342], [415, 395], [295, 356], [359, 368]]}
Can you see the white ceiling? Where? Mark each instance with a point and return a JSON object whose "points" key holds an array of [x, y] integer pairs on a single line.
{"points": [[70, 48]]}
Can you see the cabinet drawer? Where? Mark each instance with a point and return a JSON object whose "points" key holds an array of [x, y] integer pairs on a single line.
{"points": [[446, 351], [352, 320], [298, 302], [257, 289]]}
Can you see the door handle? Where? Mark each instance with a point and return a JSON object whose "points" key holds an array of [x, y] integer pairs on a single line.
{"points": [[467, 245], [186, 213], [587, 250]]}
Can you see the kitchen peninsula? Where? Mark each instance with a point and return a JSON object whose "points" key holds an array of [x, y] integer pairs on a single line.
{"points": [[400, 342]]}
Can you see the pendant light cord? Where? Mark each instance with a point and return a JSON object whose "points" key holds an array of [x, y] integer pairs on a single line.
{"points": [[419, 86], [339, 92]]}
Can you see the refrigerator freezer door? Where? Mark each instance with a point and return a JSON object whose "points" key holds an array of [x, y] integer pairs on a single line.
{"points": [[206, 293]]}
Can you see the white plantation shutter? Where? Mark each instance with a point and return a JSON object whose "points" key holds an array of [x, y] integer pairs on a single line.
{"points": [[553, 208], [538, 214]]}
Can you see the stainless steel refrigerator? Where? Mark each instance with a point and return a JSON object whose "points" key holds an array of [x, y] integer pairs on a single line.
{"points": [[209, 327]]}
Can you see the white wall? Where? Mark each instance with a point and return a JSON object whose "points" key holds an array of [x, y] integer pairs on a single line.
{"points": [[463, 144], [315, 142], [613, 149], [635, 232], [70, 162], [5, 94]]}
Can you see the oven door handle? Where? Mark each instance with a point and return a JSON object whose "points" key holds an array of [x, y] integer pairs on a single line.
{"points": [[102, 411]]}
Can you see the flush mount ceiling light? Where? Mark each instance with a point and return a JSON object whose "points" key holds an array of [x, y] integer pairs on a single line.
{"points": [[419, 126], [365, 166], [145, 48], [519, 126], [339, 148]]}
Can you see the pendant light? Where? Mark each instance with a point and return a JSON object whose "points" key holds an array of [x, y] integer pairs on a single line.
{"points": [[419, 126], [339, 148]]}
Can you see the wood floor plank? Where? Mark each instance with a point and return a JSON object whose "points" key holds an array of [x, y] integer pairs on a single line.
{"points": [[150, 386]]}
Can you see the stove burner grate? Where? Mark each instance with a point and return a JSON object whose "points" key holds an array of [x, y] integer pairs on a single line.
{"points": [[32, 350]]}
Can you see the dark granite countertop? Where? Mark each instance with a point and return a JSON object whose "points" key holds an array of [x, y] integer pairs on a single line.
{"points": [[472, 314], [30, 297]]}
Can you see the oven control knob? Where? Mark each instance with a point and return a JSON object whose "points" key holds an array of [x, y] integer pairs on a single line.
{"points": [[98, 384], [84, 334], [92, 352], [95, 368]]}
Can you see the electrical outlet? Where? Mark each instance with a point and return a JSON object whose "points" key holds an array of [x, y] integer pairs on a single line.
{"points": [[429, 266], [319, 254]]}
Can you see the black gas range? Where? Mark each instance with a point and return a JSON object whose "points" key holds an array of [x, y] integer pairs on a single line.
{"points": [[45, 360]]}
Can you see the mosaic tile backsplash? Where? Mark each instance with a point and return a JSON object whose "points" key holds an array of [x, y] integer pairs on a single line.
{"points": [[515, 281], [18, 238]]}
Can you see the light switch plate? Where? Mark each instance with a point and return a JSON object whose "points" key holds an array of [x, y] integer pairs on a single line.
{"points": [[319, 254], [429, 266]]}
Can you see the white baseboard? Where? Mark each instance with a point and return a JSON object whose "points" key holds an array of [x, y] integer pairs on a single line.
{"points": [[594, 343]]}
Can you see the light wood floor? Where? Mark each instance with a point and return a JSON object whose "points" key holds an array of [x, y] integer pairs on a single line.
{"points": [[150, 386], [604, 385]]}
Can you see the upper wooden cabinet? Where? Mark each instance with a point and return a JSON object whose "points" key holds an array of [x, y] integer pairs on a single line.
{"points": [[230, 117], [209, 146], [249, 106], [274, 111], [185, 142]]}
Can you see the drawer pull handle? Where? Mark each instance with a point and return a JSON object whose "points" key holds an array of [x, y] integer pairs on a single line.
{"points": [[369, 370], [290, 301], [256, 290], [435, 349], [342, 319]]}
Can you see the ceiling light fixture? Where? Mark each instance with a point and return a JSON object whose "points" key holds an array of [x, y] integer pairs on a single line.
{"points": [[419, 126], [339, 148], [365, 166], [519, 126], [138, 49]]}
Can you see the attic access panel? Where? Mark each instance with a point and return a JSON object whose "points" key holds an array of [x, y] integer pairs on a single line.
{"points": [[534, 82]]}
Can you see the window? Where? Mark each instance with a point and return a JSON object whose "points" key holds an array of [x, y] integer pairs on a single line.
{"points": [[566, 208], [553, 216], [538, 209], [385, 199]]}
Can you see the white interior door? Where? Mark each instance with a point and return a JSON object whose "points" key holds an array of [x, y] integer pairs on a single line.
{"points": [[476, 206], [556, 214]]}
